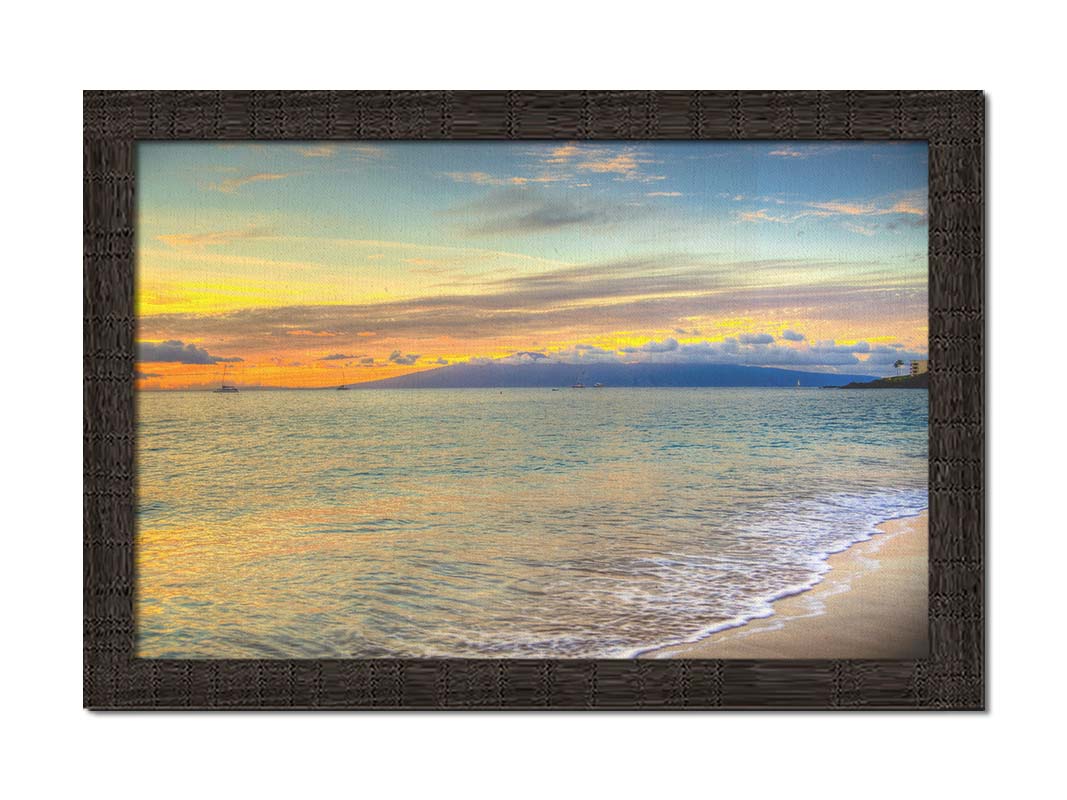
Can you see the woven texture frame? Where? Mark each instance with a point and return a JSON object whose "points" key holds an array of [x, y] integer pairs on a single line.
{"points": [[951, 677]]}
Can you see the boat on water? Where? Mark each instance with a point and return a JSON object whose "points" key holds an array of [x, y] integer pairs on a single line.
{"points": [[598, 386], [342, 387], [578, 385], [225, 388]]}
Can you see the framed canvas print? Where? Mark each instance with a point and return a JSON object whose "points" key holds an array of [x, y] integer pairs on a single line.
{"points": [[534, 400]]}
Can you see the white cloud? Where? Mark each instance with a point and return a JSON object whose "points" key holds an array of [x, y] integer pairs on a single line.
{"points": [[756, 350]]}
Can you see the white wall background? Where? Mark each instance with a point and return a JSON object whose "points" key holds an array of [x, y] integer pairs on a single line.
{"points": [[53, 748]]}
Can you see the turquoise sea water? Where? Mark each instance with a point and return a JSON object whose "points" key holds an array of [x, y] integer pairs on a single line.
{"points": [[501, 523]]}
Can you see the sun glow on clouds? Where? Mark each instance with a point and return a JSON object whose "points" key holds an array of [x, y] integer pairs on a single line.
{"points": [[231, 185], [312, 259]]}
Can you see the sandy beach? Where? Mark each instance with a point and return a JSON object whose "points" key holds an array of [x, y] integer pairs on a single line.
{"points": [[871, 604]]}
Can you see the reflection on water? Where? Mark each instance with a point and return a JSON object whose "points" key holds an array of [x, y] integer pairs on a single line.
{"points": [[487, 523]]}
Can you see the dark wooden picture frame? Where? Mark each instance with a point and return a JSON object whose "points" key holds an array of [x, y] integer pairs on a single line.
{"points": [[951, 677]]}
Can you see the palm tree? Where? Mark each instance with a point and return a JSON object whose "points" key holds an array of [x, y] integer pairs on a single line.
{"points": [[898, 364]]}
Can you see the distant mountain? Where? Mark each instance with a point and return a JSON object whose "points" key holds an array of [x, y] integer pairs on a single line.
{"points": [[897, 382], [498, 376]]}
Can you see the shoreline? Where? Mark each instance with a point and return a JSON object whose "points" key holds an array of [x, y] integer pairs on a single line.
{"points": [[871, 603]]}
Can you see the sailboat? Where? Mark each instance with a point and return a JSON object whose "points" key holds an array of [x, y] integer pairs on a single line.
{"points": [[342, 387], [226, 388], [798, 383]]}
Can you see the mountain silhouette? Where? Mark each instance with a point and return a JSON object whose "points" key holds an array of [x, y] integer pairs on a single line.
{"points": [[496, 375]]}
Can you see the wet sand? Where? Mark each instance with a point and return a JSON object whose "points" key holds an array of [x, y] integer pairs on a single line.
{"points": [[871, 604]]}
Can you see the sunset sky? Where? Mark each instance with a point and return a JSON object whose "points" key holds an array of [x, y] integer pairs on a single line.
{"points": [[297, 263]]}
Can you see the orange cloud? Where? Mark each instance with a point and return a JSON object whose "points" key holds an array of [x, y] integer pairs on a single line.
{"points": [[834, 208], [621, 164], [231, 185], [481, 178], [486, 179], [760, 216], [212, 238], [908, 207], [847, 209], [561, 154]]}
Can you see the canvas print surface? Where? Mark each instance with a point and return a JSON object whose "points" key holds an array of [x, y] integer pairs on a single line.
{"points": [[531, 400]]}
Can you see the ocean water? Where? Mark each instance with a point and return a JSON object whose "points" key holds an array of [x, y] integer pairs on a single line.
{"points": [[514, 523]]}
